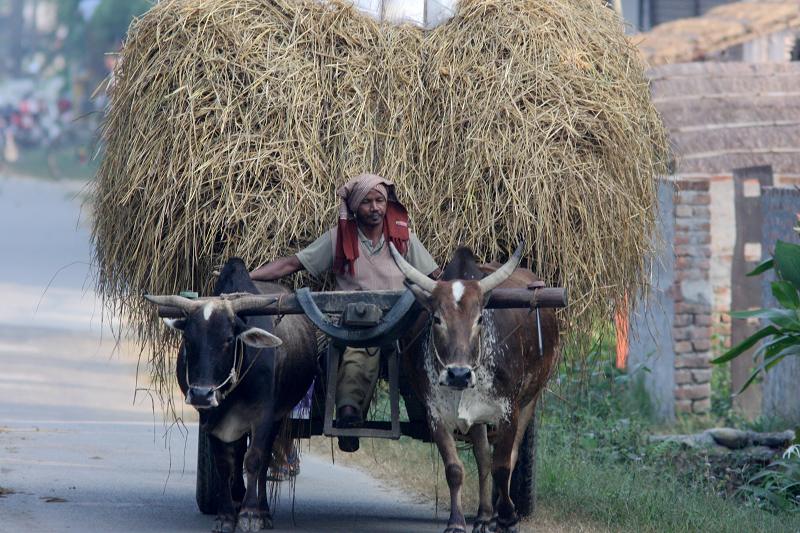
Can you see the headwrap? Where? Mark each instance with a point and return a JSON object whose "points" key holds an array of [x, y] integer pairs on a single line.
{"points": [[395, 222]]}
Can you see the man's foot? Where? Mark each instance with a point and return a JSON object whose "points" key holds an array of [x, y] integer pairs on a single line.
{"points": [[348, 417]]}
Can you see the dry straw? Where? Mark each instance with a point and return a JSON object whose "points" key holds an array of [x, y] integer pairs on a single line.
{"points": [[232, 122]]}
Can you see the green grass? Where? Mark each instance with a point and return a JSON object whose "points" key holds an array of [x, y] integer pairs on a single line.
{"points": [[624, 497], [595, 462]]}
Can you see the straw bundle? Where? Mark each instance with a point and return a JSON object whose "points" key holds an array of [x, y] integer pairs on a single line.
{"points": [[232, 122]]}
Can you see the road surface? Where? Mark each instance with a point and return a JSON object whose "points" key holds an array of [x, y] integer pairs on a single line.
{"points": [[80, 452]]}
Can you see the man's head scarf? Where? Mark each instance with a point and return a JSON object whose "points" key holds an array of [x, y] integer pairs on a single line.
{"points": [[395, 222]]}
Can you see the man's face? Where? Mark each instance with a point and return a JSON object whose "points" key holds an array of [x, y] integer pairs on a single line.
{"points": [[372, 209]]}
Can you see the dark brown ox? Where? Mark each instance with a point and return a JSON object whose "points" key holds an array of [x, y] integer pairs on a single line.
{"points": [[474, 367], [243, 375]]}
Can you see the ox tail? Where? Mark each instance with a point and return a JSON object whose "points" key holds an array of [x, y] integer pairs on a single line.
{"points": [[284, 466]]}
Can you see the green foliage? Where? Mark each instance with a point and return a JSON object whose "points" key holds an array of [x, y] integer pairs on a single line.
{"points": [[597, 463], [89, 40], [781, 334], [777, 487]]}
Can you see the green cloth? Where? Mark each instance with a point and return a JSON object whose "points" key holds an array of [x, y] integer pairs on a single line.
{"points": [[358, 373], [317, 257]]}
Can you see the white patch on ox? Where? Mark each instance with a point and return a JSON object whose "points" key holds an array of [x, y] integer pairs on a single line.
{"points": [[207, 310], [458, 291], [479, 405], [234, 425]]}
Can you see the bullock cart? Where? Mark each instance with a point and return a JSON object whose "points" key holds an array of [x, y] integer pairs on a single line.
{"points": [[372, 319]]}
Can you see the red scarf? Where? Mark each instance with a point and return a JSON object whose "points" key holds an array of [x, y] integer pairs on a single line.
{"points": [[395, 231]]}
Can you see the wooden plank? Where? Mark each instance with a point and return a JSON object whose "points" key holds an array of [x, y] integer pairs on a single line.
{"points": [[334, 302]]}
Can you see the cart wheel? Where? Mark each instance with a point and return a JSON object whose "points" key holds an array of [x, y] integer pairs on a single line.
{"points": [[523, 480], [208, 484]]}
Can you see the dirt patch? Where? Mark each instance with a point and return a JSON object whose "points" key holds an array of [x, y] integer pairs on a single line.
{"points": [[6, 492]]}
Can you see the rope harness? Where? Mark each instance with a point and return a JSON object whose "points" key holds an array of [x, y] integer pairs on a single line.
{"points": [[432, 341], [481, 350], [235, 377]]}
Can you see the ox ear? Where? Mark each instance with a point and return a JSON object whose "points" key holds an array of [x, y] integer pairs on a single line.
{"points": [[259, 338], [178, 324]]}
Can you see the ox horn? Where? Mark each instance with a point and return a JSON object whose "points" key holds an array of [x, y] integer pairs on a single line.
{"points": [[244, 301], [497, 277], [184, 304], [412, 274]]}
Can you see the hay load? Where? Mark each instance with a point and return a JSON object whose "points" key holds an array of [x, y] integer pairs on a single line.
{"points": [[232, 122]]}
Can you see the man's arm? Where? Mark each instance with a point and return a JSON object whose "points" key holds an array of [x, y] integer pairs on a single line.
{"points": [[277, 269], [421, 259]]}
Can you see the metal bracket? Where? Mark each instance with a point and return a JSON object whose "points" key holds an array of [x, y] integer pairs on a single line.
{"points": [[534, 287], [390, 326]]}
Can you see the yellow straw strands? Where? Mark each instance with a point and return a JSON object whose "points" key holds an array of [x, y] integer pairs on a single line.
{"points": [[232, 122]]}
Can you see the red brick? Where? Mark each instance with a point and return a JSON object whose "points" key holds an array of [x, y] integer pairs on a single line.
{"points": [[701, 407], [681, 239], [701, 199], [701, 332], [683, 211], [702, 320], [683, 406], [683, 347], [683, 377], [701, 211], [694, 308], [683, 262], [701, 345], [692, 392], [692, 360], [684, 319], [681, 333], [702, 375]]}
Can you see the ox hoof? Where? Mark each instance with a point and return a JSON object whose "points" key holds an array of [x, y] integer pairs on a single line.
{"points": [[506, 526], [254, 521], [224, 524], [482, 526]]}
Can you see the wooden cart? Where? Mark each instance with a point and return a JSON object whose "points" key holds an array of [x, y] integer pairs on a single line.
{"points": [[374, 319]]}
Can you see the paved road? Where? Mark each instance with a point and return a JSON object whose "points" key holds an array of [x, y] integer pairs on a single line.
{"points": [[77, 453]]}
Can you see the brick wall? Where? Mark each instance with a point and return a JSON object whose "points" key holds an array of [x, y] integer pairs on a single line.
{"points": [[693, 297]]}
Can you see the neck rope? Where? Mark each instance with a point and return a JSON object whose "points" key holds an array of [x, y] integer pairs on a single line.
{"points": [[235, 376]]}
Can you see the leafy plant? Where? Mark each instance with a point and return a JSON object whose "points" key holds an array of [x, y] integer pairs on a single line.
{"points": [[780, 337], [777, 487]]}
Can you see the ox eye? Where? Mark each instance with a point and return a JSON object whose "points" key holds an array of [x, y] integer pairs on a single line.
{"points": [[479, 321], [437, 320]]}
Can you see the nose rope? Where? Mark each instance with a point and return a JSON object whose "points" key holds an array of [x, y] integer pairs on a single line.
{"points": [[235, 376]]}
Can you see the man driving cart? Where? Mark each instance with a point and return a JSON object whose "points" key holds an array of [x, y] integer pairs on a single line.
{"points": [[357, 251]]}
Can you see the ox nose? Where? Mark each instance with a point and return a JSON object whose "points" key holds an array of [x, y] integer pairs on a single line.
{"points": [[458, 377], [202, 397]]}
